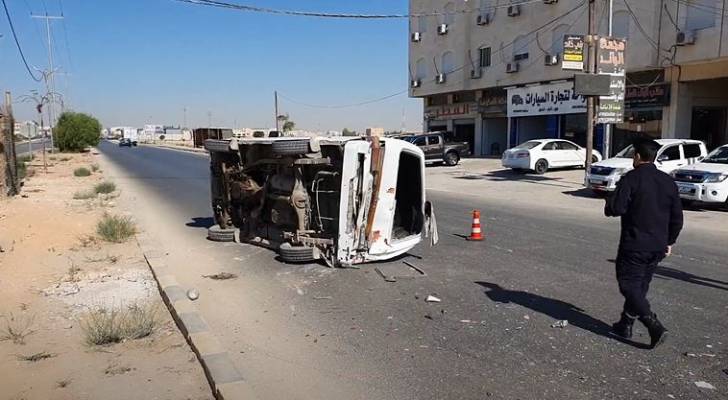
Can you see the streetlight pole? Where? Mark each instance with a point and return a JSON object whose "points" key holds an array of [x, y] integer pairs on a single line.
{"points": [[591, 100], [608, 127]]}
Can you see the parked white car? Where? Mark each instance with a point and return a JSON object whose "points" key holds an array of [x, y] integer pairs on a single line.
{"points": [[673, 154], [542, 154], [706, 181]]}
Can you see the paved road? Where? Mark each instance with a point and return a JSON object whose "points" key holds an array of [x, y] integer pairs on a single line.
{"points": [[312, 333], [36, 145]]}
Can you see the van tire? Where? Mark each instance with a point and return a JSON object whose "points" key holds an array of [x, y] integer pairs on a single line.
{"points": [[452, 158], [296, 254], [217, 234], [290, 147], [541, 167]]}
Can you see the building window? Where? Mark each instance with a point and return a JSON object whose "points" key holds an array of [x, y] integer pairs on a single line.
{"points": [[701, 14], [621, 25], [448, 62], [520, 48], [448, 17], [422, 23], [557, 39], [485, 6], [421, 69], [484, 57]]}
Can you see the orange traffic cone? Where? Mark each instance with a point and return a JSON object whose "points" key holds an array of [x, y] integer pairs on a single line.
{"points": [[477, 233]]}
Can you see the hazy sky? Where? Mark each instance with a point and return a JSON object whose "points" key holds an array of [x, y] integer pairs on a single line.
{"points": [[133, 62]]}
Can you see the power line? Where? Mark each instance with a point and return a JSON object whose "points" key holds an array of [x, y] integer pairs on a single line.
{"points": [[17, 43], [642, 30], [377, 100], [249, 8]]}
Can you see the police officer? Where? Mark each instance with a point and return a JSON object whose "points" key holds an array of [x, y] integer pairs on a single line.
{"points": [[648, 202]]}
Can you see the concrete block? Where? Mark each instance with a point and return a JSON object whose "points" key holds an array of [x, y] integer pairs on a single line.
{"points": [[240, 390], [221, 368], [193, 323], [174, 293], [206, 343]]}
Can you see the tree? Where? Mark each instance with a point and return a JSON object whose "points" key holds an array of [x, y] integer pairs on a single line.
{"points": [[76, 131], [347, 132], [288, 125]]}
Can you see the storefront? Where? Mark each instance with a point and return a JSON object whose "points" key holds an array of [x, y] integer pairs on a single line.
{"points": [[457, 118], [643, 115], [492, 138], [546, 111]]}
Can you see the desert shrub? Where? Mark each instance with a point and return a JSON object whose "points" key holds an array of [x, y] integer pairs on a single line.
{"points": [[83, 171], [115, 229], [105, 326], [84, 195], [105, 187]]}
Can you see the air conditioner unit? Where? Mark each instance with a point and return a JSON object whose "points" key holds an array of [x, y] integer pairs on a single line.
{"points": [[483, 19], [416, 36], [514, 11], [685, 38], [550, 1], [440, 78], [442, 29], [550, 60], [415, 83], [512, 67], [476, 73]]}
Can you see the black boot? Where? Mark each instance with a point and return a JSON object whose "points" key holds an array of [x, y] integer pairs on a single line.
{"points": [[658, 333], [623, 327]]}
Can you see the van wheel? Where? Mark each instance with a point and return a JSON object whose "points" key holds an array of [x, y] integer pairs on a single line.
{"points": [[595, 159], [452, 159], [541, 166], [290, 147], [217, 234], [296, 254]]}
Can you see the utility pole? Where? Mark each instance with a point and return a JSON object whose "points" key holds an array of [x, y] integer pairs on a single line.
{"points": [[184, 116], [591, 100], [275, 95], [49, 80], [608, 127]]}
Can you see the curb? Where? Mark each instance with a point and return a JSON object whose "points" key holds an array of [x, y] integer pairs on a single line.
{"points": [[225, 380], [179, 148]]}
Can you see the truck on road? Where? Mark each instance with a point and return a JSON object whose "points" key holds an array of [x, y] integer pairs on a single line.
{"points": [[438, 148], [344, 201]]}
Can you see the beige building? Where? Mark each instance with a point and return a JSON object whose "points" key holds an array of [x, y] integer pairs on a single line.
{"points": [[474, 61]]}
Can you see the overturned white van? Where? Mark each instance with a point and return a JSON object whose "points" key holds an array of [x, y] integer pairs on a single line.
{"points": [[344, 201]]}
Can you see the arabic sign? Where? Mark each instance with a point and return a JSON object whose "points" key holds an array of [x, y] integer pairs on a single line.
{"points": [[610, 61], [493, 102], [557, 98], [451, 110], [647, 96], [573, 58]]}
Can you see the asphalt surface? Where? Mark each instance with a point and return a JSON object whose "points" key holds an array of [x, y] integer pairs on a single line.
{"points": [[491, 336], [36, 145]]}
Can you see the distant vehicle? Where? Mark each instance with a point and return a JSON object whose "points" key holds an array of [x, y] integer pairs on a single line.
{"points": [[706, 181], [126, 142], [344, 201], [438, 148], [544, 154], [673, 154]]}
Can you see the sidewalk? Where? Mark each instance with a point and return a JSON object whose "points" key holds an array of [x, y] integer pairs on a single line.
{"points": [[59, 276]]}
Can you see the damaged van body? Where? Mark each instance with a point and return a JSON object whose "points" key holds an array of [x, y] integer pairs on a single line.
{"points": [[344, 201]]}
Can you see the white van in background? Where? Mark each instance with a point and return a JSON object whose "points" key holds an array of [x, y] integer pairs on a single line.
{"points": [[673, 154]]}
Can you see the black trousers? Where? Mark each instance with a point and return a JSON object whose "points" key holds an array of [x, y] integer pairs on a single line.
{"points": [[634, 274]]}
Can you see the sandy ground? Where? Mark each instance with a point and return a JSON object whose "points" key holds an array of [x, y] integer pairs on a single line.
{"points": [[53, 270]]}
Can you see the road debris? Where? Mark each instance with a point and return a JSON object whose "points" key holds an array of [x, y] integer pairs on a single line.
{"points": [[193, 294], [221, 276], [432, 299], [405, 270], [36, 357], [560, 324], [704, 385]]}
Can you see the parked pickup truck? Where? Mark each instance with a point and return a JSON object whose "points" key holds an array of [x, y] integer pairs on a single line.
{"points": [[706, 181], [438, 148], [344, 201]]}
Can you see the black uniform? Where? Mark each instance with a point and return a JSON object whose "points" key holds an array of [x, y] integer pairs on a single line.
{"points": [[649, 204]]}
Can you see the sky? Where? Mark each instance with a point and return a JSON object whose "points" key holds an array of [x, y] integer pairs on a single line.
{"points": [[136, 62]]}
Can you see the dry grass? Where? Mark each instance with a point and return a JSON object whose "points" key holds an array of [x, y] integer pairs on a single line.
{"points": [[16, 328], [115, 228], [62, 384], [106, 326], [36, 357], [83, 171], [105, 187], [84, 195], [95, 167], [222, 276], [73, 272]]}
